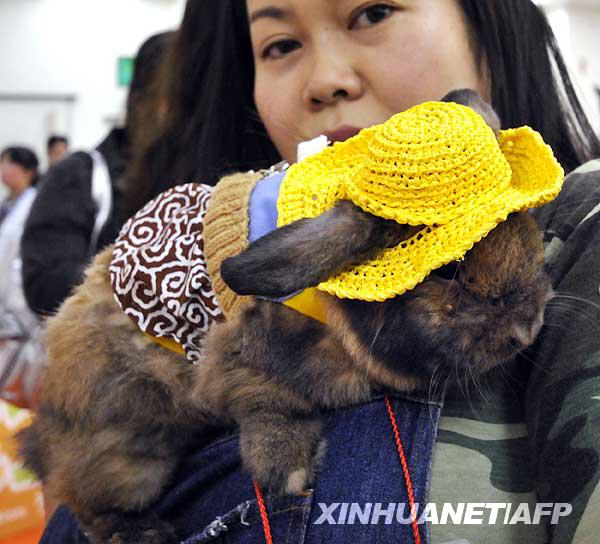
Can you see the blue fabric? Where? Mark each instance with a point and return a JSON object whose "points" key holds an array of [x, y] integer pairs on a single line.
{"points": [[262, 210], [212, 499]]}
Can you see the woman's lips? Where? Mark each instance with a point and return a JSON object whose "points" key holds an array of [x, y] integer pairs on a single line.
{"points": [[341, 134]]}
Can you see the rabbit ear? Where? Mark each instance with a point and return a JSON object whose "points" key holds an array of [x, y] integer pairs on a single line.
{"points": [[471, 99], [309, 251]]}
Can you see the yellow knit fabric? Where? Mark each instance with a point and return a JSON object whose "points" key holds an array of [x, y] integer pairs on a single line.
{"points": [[438, 165]]}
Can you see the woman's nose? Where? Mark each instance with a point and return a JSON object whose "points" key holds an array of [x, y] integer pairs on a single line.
{"points": [[330, 80]]}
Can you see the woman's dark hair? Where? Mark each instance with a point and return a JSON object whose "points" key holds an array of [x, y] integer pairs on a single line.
{"points": [[141, 116], [211, 124], [25, 158], [146, 65], [529, 79], [142, 111]]}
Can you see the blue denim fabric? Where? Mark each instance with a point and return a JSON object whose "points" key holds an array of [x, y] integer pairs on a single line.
{"points": [[212, 499]]}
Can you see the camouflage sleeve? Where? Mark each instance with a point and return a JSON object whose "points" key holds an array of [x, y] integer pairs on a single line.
{"points": [[528, 433], [562, 400]]}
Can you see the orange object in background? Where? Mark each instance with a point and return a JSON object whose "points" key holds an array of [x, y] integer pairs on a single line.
{"points": [[21, 503], [29, 537]]}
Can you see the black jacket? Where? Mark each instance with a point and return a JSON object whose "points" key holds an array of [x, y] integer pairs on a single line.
{"points": [[55, 246]]}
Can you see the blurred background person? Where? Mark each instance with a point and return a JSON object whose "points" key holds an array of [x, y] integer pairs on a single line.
{"points": [[76, 212], [21, 360], [57, 148], [21, 356], [19, 174]]}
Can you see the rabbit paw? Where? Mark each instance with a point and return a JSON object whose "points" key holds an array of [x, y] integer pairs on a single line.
{"points": [[285, 469]]}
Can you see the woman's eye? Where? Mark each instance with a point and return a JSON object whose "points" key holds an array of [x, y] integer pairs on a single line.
{"points": [[371, 16], [279, 49]]}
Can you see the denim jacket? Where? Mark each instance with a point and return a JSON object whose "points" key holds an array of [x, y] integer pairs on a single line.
{"points": [[360, 494]]}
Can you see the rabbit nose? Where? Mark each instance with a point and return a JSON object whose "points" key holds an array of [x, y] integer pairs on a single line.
{"points": [[526, 334]]}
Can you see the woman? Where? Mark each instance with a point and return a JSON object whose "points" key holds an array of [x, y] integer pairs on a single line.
{"points": [[20, 361], [21, 358], [526, 435]]}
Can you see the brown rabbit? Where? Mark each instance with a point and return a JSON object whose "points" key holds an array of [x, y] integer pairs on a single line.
{"points": [[271, 370], [117, 410]]}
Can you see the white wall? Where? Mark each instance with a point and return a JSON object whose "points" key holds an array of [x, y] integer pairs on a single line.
{"points": [[585, 32], [577, 28], [585, 48], [71, 47]]}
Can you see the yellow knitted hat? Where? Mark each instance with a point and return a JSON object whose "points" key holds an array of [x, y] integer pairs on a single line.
{"points": [[438, 165]]}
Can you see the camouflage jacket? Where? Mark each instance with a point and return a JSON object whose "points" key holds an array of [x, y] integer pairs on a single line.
{"points": [[530, 433]]}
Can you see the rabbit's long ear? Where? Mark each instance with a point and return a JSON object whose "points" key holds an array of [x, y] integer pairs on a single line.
{"points": [[307, 252], [471, 99]]}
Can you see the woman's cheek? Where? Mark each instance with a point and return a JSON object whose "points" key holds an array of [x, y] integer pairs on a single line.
{"points": [[277, 111], [424, 58], [400, 80]]}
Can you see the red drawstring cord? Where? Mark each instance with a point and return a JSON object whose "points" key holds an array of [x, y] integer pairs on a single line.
{"points": [[263, 513], [407, 480], [411, 497]]}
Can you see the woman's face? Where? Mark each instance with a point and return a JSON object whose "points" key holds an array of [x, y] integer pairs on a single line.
{"points": [[14, 176], [336, 66]]}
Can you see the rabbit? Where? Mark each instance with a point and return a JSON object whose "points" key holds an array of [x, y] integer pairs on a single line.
{"points": [[117, 411], [272, 370]]}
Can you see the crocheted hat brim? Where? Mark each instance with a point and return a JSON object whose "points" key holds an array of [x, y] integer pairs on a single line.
{"points": [[536, 180]]}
